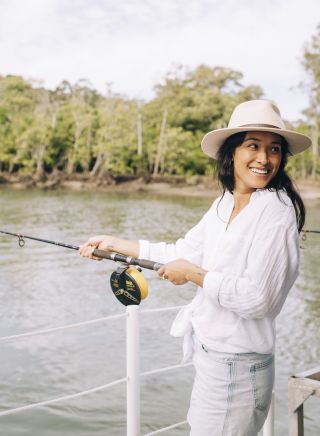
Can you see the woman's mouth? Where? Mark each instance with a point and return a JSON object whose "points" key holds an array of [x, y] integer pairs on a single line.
{"points": [[260, 171]]}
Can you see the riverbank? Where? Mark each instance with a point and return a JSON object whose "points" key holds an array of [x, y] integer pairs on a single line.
{"points": [[195, 186]]}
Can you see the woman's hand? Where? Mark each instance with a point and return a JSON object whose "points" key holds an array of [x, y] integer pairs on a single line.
{"points": [[181, 271], [109, 243], [102, 242]]}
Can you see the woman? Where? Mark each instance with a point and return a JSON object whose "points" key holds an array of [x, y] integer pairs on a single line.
{"points": [[244, 257]]}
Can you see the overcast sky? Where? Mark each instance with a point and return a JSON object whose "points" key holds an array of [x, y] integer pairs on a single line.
{"points": [[134, 43]]}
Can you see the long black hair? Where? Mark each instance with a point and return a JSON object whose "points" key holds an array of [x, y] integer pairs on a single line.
{"points": [[280, 181]]}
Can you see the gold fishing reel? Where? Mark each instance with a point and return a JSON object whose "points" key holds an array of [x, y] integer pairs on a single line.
{"points": [[129, 285]]}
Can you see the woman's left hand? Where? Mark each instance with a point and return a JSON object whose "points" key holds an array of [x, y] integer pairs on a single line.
{"points": [[181, 271]]}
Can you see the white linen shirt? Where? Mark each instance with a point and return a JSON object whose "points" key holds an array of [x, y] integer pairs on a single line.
{"points": [[251, 267]]}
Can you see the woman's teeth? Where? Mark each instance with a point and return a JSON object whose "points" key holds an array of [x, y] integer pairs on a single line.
{"points": [[258, 171]]}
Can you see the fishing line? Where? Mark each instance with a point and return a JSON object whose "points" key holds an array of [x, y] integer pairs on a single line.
{"points": [[127, 283]]}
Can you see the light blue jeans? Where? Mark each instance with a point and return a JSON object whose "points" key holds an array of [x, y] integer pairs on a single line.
{"points": [[231, 393]]}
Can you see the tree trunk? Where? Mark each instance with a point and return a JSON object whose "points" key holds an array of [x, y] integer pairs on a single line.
{"points": [[162, 166], [101, 158], [40, 162], [89, 147], [160, 144], [73, 152], [139, 134], [14, 161]]}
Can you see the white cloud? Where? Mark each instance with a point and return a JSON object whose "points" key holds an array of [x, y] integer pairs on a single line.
{"points": [[133, 43]]}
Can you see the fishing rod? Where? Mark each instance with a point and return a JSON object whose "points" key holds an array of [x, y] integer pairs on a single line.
{"points": [[127, 282], [304, 233]]}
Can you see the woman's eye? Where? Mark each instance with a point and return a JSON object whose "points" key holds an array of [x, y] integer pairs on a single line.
{"points": [[254, 146], [275, 149]]}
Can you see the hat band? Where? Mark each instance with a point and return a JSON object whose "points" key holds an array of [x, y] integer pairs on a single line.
{"points": [[261, 125]]}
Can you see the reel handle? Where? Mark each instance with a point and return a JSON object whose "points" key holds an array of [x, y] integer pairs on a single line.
{"points": [[144, 263]]}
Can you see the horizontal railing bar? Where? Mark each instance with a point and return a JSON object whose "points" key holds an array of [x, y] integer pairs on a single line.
{"points": [[79, 324], [161, 309], [89, 391], [166, 368], [162, 430], [65, 327], [64, 398]]}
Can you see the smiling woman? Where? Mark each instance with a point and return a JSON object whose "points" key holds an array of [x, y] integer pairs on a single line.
{"points": [[255, 155], [244, 257], [256, 161]]}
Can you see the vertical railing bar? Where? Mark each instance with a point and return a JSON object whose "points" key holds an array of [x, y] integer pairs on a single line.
{"points": [[268, 428], [133, 371]]}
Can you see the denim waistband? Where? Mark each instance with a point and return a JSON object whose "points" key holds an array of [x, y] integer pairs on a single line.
{"points": [[251, 357]]}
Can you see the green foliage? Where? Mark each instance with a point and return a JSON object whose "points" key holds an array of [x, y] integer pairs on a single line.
{"points": [[75, 129], [311, 63]]}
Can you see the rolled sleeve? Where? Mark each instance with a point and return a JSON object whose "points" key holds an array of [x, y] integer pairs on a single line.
{"points": [[212, 284], [272, 268]]}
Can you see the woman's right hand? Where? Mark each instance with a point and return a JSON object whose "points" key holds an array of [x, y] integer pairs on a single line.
{"points": [[109, 243], [102, 242]]}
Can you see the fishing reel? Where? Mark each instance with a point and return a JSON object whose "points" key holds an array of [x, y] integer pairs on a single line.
{"points": [[129, 285]]}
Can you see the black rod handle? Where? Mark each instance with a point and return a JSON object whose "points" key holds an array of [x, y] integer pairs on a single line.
{"points": [[144, 263], [102, 253], [149, 264]]}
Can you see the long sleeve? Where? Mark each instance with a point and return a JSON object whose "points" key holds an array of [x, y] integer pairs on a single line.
{"points": [[190, 247], [272, 267]]}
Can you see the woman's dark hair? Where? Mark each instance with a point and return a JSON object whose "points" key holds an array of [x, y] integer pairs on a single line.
{"points": [[280, 181]]}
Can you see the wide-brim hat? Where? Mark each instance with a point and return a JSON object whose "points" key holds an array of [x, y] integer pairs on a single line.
{"points": [[255, 115]]}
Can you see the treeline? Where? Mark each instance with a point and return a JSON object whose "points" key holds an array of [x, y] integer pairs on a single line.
{"points": [[75, 129]]}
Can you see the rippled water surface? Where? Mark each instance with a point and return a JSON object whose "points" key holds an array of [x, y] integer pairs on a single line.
{"points": [[46, 286]]}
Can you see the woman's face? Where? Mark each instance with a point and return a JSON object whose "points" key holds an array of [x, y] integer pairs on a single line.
{"points": [[256, 161]]}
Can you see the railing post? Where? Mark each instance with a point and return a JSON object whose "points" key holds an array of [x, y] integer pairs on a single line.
{"points": [[268, 428], [133, 371], [300, 388]]}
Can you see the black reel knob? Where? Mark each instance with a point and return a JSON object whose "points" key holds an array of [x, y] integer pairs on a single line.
{"points": [[128, 285]]}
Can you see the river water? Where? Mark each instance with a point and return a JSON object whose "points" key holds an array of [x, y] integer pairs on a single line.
{"points": [[45, 286]]}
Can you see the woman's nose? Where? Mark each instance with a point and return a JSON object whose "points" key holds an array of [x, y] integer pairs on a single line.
{"points": [[262, 157]]}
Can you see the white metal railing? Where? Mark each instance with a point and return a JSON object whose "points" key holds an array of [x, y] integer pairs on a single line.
{"points": [[164, 429], [65, 327], [268, 428], [133, 372]]}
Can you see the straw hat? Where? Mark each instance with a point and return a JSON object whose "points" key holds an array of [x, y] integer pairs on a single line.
{"points": [[254, 115]]}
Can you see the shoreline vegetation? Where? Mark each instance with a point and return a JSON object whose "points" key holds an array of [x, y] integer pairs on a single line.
{"points": [[193, 186], [74, 137]]}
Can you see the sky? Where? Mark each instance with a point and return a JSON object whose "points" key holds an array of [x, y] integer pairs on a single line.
{"points": [[132, 44]]}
